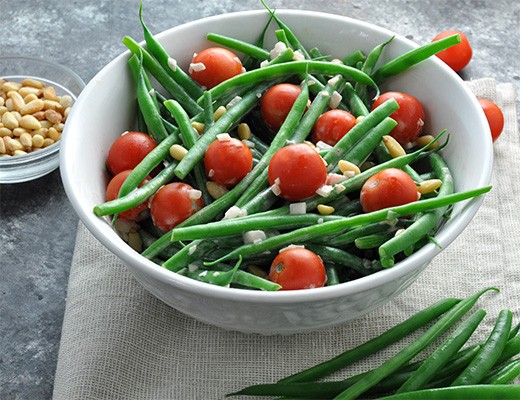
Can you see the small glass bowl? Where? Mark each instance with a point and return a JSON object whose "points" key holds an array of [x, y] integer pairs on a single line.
{"points": [[38, 163]]}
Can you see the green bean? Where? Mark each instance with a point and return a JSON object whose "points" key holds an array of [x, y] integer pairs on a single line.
{"points": [[373, 240], [489, 353], [232, 115], [219, 278], [188, 254], [410, 351], [207, 102], [353, 58], [247, 279], [261, 202], [442, 355], [412, 57], [164, 59], [332, 275], [382, 154], [305, 234], [281, 36], [514, 331], [342, 257], [392, 335], [503, 374], [357, 105], [235, 226], [512, 349], [359, 130], [173, 88], [249, 62], [353, 234], [425, 223], [236, 44], [287, 69], [137, 196], [472, 392]]}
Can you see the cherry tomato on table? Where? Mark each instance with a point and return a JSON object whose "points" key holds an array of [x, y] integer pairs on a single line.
{"points": [[112, 193], [277, 102], [128, 150], [458, 56], [298, 268], [227, 161], [388, 188], [409, 116], [172, 204], [214, 65], [494, 116], [332, 125], [298, 171]]}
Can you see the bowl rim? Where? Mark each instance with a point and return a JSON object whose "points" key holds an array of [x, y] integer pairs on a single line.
{"points": [[402, 268]]}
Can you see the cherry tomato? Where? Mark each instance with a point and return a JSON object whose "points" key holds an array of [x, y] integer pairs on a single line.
{"points": [[332, 125], [388, 188], [409, 116], [216, 65], [172, 204], [228, 161], [112, 193], [298, 171], [298, 268], [277, 102], [128, 150], [494, 116], [458, 56]]}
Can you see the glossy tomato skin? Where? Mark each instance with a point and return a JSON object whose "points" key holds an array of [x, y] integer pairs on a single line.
{"points": [[458, 56], [277, 102], [298, 171], [409, 116], [112, 193], [228, 161], [494, 116], [388, 188], [332, 125], [128, 150], [219, 65], [172, 204], [298, 268]]}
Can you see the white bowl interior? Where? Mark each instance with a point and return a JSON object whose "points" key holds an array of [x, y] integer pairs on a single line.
{"points": [[106, 108]]}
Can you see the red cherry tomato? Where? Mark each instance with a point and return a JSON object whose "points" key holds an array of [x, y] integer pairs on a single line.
{"points": [[112, 193], [409, 116], [388, 188], [214, 65], [458, 56], [228, 161], [298, 171], [298, 268], [332, 125], [128, 150], [277, 102], [494, 116], [172, 204]]}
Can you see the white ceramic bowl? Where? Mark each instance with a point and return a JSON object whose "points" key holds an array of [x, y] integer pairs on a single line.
{"points": [[38, 163], [106, 108]]}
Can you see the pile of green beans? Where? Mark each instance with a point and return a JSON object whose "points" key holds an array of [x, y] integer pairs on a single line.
{"points": [[479, 371], [209, 247]]}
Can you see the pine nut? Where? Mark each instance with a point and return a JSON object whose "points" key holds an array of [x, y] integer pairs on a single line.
{"points": [[33, 83], [37, 141], [47, 142], [59, 126], [28, 90], [359, 119], [17, 132], [17, 115], [198, 126], [219, 112], [9, 104], [429, 186], [178, 152], [9, 120], [53, 116], [5, 132], [66, 101], [17, 100], [53, 134], [66, 113], [40, 115], [425, 140], [255, 270], [13, 144], [393, 147], [215, 189], [347, 168], [135, 241], [49, 93], [52, 105], [19, 152], [30, 97], [29, 122], [46, 124], [3, 110], [42, 132], [324, 209], [9, 85], [2, 101], [32, 107], [3, 150], [26, 139]]}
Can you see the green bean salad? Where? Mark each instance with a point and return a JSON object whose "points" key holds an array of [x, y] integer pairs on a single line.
{"points": [[285, 169]]}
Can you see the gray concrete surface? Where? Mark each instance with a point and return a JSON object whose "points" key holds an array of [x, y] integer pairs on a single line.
{"points": [[37, 222]]}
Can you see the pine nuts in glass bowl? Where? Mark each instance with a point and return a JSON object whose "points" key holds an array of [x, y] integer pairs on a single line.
{"points": [[35, 98]]}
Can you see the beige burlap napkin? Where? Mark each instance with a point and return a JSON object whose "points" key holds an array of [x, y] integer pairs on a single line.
{"points": [[119, 342]]}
